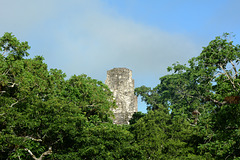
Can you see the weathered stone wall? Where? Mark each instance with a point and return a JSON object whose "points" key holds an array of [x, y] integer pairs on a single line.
{"points": [[120, 82]]}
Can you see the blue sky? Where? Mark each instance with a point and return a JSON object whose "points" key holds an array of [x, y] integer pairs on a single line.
{"points": [[93, 36]]}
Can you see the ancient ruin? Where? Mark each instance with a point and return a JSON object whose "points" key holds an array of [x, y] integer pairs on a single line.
{"points": [[120, 82]]}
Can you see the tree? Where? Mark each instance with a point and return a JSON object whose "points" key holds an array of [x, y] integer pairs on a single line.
{"points": [[160, 137], [91, 96], [217, 69], [44, 115], [208, 86], [135, 117], [108, 141]]}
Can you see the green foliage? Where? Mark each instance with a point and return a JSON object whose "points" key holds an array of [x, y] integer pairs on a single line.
{"points": [[11, 48], [136, 116], [44, 115], [91, 96], [161, 137], [108, 141], [194, 113], [209, 86]]}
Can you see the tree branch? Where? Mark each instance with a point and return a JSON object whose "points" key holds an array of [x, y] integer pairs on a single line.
{"points": [[33, 156], [234, 68], [13, 84], [2, 92], [6, 72], [43, 155], [13, 104], [216, 101], [229, 78], [19, 157], [34, 139], [214, 77], [3, 53], [16, 102]]}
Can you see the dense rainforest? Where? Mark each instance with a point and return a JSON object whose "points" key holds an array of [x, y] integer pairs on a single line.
{"points": [[193, 113]]}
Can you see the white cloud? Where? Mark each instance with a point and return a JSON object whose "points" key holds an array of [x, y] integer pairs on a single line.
{"points": [[98, 41], [21, 16], [86, 37]]}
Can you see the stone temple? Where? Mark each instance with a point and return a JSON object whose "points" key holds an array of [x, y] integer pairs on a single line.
{"points": [[120, 82]]}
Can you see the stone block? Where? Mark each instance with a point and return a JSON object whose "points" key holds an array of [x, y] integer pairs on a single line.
{"points": [[120, 82]]}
